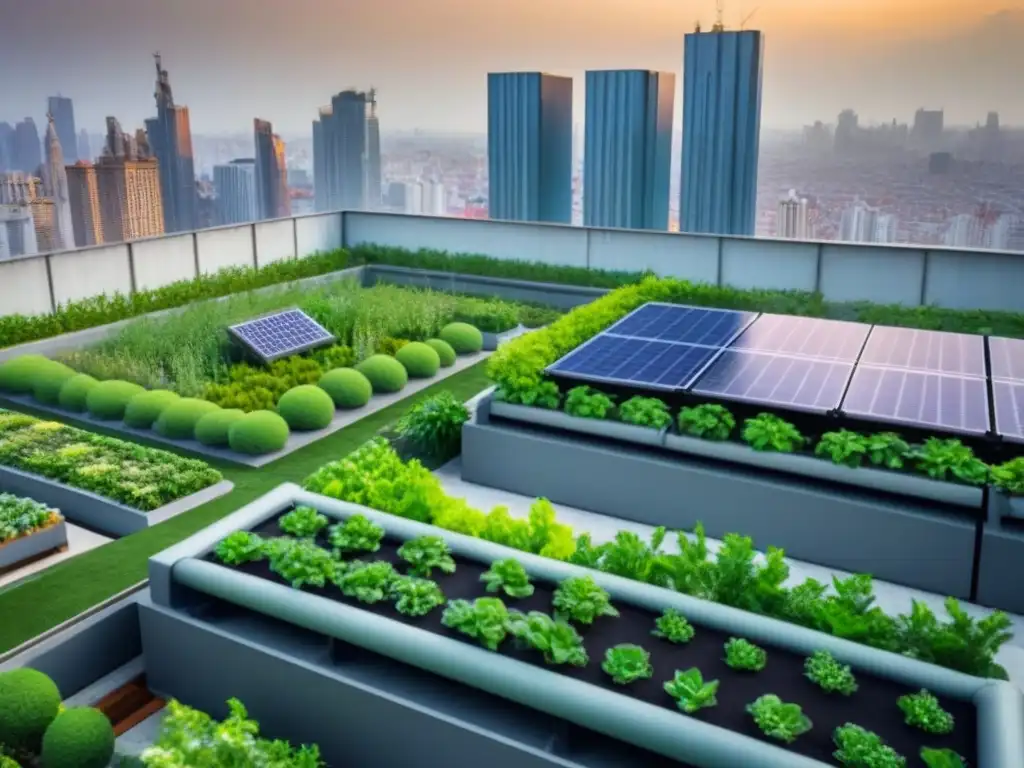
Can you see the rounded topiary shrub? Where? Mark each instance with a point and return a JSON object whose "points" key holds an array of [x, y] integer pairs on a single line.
{"points": [[306, 407], [385, 373], [420, 360], [74, 392], [463, 338], [444, 350], [18, 375], [81, 737], [258, 433], [29, 701], [212, 428], [178, 420], [347, 387], [109, 399], [145, 408], [49, 381]]}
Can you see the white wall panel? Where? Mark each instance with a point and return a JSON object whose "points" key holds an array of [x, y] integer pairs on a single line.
{"points": [[784, 265], [160, 261], [24, 287], [225, 247], [275, 241], [872, 273], [90, 272], [317, 234], [691, 257]]}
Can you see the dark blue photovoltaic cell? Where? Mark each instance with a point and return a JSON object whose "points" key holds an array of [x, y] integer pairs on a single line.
{"points": [[1007, 358], [688, 325], [786, 382], [804, 337], [281, 334], [953, 403], [1009, 402], [935, 351], [616, 359]]}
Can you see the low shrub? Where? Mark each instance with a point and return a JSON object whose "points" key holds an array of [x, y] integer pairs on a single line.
{"points": [[444, 350], [491, 315], [29, 701], [434, 425], [80, 737], [463, 338], [212, 428], [420, 360], [178, 420], [145, 408], [385, 374], [390, 346], [109, 399], [75, 392], [19, 374], [49, 382], [306, 407], [347, 387], [258, 433]]}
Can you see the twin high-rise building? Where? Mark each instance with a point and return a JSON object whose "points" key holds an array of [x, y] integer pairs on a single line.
{"points": [[346, 153], [271, 173], [170, 137], [237, 197]]}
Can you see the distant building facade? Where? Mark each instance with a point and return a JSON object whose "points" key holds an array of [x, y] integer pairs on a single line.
{"points": [[84, 147], [235, 184], [129, 187], [17, 231], [57, 188], [529, 146], [27, 149], [63, 111], [863, 224], [793, 221], [170, 137], [6, 147], [346, 153], [84, 194], [271, 173], [43, 218], [19, 187], [374, 194]]}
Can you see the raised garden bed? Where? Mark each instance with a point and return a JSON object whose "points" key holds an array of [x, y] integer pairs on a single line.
{"points": [[51, 537], [1002, 552], [985, 712]]}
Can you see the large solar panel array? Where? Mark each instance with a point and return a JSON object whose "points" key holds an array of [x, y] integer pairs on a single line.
{"points": [[281, 334], [1006, 357]]}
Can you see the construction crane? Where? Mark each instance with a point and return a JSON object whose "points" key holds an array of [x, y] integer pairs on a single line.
{"points": [[747, 18], [719, 25]]}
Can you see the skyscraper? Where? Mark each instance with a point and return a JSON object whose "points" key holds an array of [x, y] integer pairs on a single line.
{"points": [[793, 218], [862, 224], [235, 184], [6, 147], [628, 148], [129, 186], [43, 217], [373, 178], [271, 173], [63, 112], [57, 188], [27, 148], [84, 192], [321, 187], [84, 149], [170, 138], [721, 131], [529, 146], [341, 152]]}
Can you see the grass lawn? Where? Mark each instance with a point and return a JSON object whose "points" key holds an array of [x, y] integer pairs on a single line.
{"points": [[76, 585]]}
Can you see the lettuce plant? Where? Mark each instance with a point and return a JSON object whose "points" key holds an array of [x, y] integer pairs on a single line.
{"points": [[922, 710], [778, 719], [823, 670], [303, 522], [20, 516], [708, 422], [950, 460], [416, 597], [581, 600], [587, 403], [486, 620], [743, 655], [1008, 476], [888, 450], [357, 534], [627, 663], [674, 627], [942, 758], [530, 392], [434, 425], [645, 412], [366, 582], [508, 576], [768, 432], [301, 562], [860, 748], [425, 553], [691, 692], [842, 447], [239, 548], [557, 640]]}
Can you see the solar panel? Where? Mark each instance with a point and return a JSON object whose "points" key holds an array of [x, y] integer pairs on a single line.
{"points": [[281, 334], [936, 351], [687, 325], [804, 337], [1007, 358], [1009, 402], [637, 362], [920, 398], [787, 382]]}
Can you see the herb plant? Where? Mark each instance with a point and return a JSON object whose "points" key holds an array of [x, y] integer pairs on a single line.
{"points": [[508, 576], [888, 450], [425, 553], [708, 422], [627, 663], [434, 425], [744, 655], [1009, 476], [860, 748], [239, 548], [674, 627], [20, 516], [532, 392], [366, 582], [645, 412], [768, 432], [300, 562], [587, 403], [942, 758], [416, 597], [691, 692], [922, 710], [842, 447], [557, 640], [486, 620], [303, 522], [950, 460], [581, 600], [778, 719], [357, 534], [823, 670]]}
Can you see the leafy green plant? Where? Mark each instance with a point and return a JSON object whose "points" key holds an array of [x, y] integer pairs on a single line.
{"points": [[303, 522], [923, 710], [581, 600], [486, 620], [240, 547], [416, 597], [425, 553], [588, 403], [532, 393], [357, 534], [674, 627], [950, 460], [778, 719], [1009, 476], [822, 669], [508, 576], [860, 748], [888, 450], [691, 692], [768, 432], [964, 643], [434, 425], [20, 516], [942, 758], [300, 562], [709, 421], [744, 655], [627, 663], [366, 582], [645, 412], [557, 640], [843, 447]]}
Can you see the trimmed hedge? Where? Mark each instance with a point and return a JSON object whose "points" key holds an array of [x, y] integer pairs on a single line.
{"points": [[109, 399], [444, 350], [145, 408], [385, 373], [463, 338], [306, 407], [75, 392], [29, 701], [80, 737], [212, 428], [19, 374], [178, 420], [421, 361], [50, 381], [258, 433], [347, 387]]}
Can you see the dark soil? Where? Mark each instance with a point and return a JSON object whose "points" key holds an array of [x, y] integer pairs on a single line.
{"points": [[873, 706]]}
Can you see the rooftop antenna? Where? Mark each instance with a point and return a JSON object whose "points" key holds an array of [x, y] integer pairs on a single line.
{"points": [[747, 18], [719, 25]]}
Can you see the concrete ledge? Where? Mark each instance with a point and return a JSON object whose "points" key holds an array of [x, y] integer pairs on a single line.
{"points": [[16, 551], [1002, 552], [494, 340]]}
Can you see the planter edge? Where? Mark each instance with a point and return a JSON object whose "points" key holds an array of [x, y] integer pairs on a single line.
{"points": [[607, 428], [15, 551]]}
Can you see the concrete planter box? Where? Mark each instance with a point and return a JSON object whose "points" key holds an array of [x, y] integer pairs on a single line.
{"points": [[544, 417], [493, 340], [23, 548], [1000, 571], [97, 512], [840, 527], [1000, 705]]}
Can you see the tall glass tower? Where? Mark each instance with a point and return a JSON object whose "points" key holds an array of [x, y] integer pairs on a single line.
{"points": [[170, 137], [271, 173], [63, 112], [721, 131]]}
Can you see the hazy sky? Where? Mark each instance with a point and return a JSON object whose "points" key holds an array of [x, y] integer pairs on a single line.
{"points": [[232, 60]]}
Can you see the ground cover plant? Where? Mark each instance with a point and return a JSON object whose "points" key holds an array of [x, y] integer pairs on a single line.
{"points": [[575, 628], [137, 476], [23, 517]]}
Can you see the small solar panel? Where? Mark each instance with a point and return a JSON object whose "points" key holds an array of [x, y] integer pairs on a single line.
{"points": [[796, 383], [682, 324], [919, 398], [936, 351], [1009, 408], [1007, 358], [637, 362], [804, 337], [281, 334]]}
